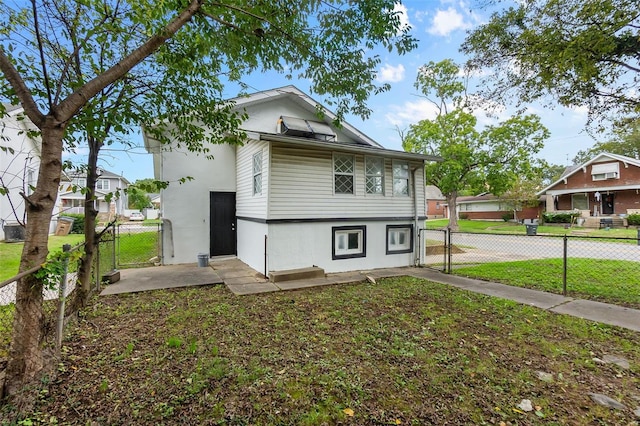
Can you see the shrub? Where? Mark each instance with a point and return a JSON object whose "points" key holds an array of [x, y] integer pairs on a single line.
{"points": [[553, 217], [507, 216], [633, 219], [463, 216], [78, 223]]}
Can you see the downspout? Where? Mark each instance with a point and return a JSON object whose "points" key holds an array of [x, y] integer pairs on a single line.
{"points": [[416, 234]]}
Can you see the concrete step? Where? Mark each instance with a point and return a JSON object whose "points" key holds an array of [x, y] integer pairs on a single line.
{"points": [[594, 222], [296, 274]]}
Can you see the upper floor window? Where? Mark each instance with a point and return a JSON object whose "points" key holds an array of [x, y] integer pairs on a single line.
{"points": [[257, 173], [103, 184], [81, 182], [400, 178], [605, 171], [374, 170], [343, 173]]}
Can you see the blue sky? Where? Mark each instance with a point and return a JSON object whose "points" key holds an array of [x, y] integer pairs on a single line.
{"points": [[440, 26]]}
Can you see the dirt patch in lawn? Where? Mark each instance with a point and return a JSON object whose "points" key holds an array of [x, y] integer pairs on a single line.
{"points": [[403, 351], [434, 250]]}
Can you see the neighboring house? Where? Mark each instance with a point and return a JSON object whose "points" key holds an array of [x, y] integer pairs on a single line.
{"points": [[19, 164], [71, 195], [606, 185], [298, 193], [436, 202], [487, 206]]}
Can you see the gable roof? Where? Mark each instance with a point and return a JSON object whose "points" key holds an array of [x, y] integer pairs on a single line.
{"points": [[571, 170], [307, 103]]}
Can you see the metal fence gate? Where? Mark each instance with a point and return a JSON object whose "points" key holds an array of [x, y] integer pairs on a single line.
{"points": [[138, 244]]}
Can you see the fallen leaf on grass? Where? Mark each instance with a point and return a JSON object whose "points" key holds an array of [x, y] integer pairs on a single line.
{"points": [[348, 411]]}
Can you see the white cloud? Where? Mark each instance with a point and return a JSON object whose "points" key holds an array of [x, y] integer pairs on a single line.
{"points": [[446, 21], [411, 112], [391, 74], [401, 9]]}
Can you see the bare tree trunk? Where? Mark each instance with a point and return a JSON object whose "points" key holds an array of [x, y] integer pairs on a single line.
{"points": [[453, 213], [83, 291], [25, 354]]}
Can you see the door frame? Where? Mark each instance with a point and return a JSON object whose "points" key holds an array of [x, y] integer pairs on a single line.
{"points": [[228, 245]]}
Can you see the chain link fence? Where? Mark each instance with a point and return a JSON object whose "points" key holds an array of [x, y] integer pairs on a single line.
{"points": [[59, 290], [597, 268], [138, 244]]}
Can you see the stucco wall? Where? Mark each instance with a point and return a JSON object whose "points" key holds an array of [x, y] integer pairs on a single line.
{"points": [[299, 245]]}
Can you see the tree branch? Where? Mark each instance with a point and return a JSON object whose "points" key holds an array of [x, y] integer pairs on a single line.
{"points": [[22, 91], [74, 102]]}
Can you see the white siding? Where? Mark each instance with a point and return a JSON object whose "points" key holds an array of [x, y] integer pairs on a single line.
{"points": [[248, 204], [302, 188]]}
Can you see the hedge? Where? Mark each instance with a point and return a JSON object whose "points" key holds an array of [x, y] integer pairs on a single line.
{"points": [[554, 217], [633, 219]]}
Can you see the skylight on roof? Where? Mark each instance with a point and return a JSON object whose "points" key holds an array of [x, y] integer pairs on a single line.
{"points": [[292, 126]]}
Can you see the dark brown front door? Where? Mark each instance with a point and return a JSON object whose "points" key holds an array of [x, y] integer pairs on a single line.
{"points": [[607, 204], [222, 235]]}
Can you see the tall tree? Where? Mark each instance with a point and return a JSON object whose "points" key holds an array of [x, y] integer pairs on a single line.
{"points": [[625, 141], [581, 52], [327, 42], [492, 158]]}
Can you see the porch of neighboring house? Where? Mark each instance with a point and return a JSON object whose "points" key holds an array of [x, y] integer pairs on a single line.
{"points": [[607, 209]]}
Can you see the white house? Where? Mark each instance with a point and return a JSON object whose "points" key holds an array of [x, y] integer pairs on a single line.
{"points": [[72, 198], [19, 164], [299, 193]]}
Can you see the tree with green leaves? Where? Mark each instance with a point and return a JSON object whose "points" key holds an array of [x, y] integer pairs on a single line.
{"points": [[580, 52], [492, 159], [172, 46], [625, 141]]}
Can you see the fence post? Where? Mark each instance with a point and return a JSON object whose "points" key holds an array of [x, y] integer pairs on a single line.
{"points": [[448, 250], [61, 297], [564, 265], [98, 264]]}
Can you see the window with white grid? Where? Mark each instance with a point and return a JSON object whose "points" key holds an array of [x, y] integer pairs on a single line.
{"points": [[400, 179], [343, 173], [257, 173], [103, 184], [374, 173]]}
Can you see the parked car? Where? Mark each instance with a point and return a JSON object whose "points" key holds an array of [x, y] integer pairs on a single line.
{"points": [[136, 216]]}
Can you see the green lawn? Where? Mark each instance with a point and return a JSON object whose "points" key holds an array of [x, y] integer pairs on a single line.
{"points": [[139, 249], [10, 253], [403, 351], [611, 281], [495, 227]]}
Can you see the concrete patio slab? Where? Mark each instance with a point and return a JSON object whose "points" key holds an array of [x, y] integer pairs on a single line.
{"points": [[252, 288], [162, 277]]}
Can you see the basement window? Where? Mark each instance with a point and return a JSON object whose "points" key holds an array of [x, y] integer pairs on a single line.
{"points": [[349, 242], [399, 239]]}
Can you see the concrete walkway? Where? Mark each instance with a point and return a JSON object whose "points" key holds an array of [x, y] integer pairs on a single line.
{"points": [[242, 280]]}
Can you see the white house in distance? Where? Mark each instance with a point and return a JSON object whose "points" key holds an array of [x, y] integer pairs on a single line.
{"points": [[298, 193], [19, 164], [71, 198]]}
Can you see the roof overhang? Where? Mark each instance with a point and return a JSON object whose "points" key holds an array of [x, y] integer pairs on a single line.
{"points": [[351, 148], [593, 189]]}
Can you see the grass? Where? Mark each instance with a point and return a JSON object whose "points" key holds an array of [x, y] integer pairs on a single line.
{"points": [[137, 248], [404, 351], [10, 253], [611, 281], [495, 227]]}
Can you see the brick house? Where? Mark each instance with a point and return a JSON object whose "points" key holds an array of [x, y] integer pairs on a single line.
{"points": [[606, 185]]}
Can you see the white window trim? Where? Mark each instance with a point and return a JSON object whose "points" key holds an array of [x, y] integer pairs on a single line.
{"points": [[256, 173], [360, 251], [352, 174], [407, 248], [367, 176], [100, 184], [393, 179]]}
